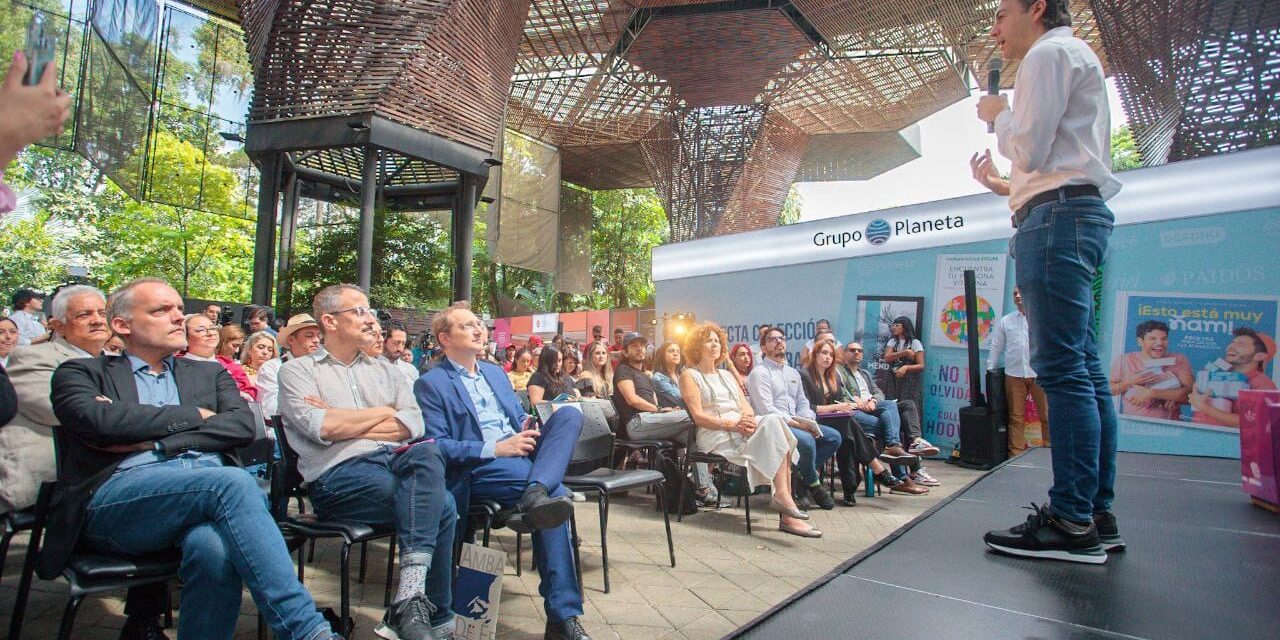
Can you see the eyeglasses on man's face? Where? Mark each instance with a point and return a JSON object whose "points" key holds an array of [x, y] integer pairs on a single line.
{"points": [[205, 331], [775, 339], [855, 349], [471, 326], [362, 312]]}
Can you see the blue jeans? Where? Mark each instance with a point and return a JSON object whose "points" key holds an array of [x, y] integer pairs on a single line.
{"points": [[217, 516], [883, 423], [406, 491], [503, 480], [814, 452], [1057, 252]]}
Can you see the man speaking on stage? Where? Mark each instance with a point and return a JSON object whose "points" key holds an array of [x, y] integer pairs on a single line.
{"points": [[1058, 137]]}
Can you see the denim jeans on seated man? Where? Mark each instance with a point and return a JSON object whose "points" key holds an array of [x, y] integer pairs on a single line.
{"points": [[1057, 252], [815, 452], [884, 423], [217, 516], [404, 490]]}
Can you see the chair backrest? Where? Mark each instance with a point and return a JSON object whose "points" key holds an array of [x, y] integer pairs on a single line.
{"points": [[594, 448]]}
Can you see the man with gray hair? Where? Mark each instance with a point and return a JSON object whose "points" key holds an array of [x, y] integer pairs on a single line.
{"points": [[352, 419], [146, 444], [78, 318]]}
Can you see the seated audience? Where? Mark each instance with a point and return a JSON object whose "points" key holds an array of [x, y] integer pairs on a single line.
{"points": [[259, 349], [522, 370], [572, 364], [666, 375], [8, 398], [230, 341], [214, 313], [826, 395], [598, 369], [495, 452], [8, 340], [549, 381], [27, 305], [147, 466], [775, 389], [741, 361], [822, 334], [300, 337], [202, 344], [641, 415], [259, 319], [346, 413], [394, 350], [78, 319], [881, 418], [114, 346], [729, 427]]}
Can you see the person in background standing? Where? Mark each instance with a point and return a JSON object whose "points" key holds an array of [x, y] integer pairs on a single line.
{"points": [[1009, 340]]}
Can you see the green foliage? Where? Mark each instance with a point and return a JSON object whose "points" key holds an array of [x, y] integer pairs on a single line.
{"points": [[628, 224], [791, 207], [1124, 151]]}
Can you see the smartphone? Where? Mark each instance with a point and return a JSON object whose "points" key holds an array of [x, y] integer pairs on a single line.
{"points": [[39, 48]]}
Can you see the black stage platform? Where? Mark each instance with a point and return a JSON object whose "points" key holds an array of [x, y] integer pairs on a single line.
{"points": [[1202, 564]]}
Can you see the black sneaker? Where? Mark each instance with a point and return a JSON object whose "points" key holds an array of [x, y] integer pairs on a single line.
{"points": [[820, 497], [408, 619], [1044, 535], [537, 510], [1108, 531], [143, 628]]}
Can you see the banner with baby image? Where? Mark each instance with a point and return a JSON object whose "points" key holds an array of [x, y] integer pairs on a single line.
{"points": [[1184, 358], [947, 317]]}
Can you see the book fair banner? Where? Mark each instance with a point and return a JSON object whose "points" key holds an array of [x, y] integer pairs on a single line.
{"points": [[949, 327]]}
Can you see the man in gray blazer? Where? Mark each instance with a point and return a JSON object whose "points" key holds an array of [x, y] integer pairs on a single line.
{"points": [[78, 318]]}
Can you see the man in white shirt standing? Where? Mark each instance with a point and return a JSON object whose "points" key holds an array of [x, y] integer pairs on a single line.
{"points": [[1009, 339], [27, 305], [1058, 137]]}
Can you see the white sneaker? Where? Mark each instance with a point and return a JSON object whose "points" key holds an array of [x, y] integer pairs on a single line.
{"points": [[921, 476], [577, 496], [922, 448]]}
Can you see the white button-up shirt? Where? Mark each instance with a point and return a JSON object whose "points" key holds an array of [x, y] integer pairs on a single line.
{"points": [[776, 388], [1059, 130], [1010, 339], [29, 327]]}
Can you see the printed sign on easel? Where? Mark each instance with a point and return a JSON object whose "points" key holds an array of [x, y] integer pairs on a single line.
{"points": [[477, 591]]}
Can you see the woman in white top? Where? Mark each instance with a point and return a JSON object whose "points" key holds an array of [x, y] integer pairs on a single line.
{"points": [[727, 426]]}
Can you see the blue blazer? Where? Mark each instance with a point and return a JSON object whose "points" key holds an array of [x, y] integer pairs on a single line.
{"points": [[451, 420]]}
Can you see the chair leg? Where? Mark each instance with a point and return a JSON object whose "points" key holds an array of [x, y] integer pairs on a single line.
{"points": [[666, 521], [519, 547], [577, 547], [746, 498], [24, 592], [391, 566], [345, 604], [302, 565], [684, 478], [168, 606], [364, 562], [488, 527], [69, 617], [311, 555], [262, 627], [603, 502], [4, 547]]}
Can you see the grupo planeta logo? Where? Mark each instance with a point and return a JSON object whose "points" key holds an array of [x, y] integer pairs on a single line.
{"points": [[878, 231]]}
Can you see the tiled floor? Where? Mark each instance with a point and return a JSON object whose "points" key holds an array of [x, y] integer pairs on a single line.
{"points": [[722, 579]]}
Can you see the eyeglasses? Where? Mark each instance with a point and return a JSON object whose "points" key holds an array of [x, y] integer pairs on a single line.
{"points": [[359, 311], [775, 339], [204, 331], [851, 349], [474, 324]]}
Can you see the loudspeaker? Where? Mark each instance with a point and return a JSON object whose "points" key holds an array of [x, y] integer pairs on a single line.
{"points": [[984, 441]]}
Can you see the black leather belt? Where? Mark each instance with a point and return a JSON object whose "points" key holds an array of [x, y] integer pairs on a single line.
{"points": [[1054, 195]]}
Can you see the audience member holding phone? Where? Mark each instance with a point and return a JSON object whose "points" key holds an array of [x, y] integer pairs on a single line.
{"points": [[27, 114]]}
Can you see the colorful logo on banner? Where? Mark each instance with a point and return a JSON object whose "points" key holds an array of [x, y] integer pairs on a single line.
{"points": [[954, 325]]}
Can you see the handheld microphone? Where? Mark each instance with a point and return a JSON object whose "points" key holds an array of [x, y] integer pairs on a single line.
{"points": [[994, 66]]}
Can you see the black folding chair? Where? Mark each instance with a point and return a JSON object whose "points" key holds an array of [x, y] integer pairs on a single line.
{"points": [[594, 451], [12, 524], [309, 527], [87, 573], [693, 456]]}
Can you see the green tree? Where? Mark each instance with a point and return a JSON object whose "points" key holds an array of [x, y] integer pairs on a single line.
{"points": [[628, 224], [791, 207], [1124, 151]]}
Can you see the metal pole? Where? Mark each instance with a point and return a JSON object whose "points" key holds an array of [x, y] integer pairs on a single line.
{"points": [[368, 196], [464, 215], [264, 239], [288, 225]]}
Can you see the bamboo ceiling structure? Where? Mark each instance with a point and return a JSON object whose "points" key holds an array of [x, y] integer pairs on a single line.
{"points": [[721, 105]]}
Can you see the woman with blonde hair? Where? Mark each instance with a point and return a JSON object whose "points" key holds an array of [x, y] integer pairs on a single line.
{"points": [[727, 426], [230, 339], [599, 370], [258, 349]]}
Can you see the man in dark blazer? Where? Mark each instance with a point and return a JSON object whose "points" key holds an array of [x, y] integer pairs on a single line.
{"points": [[492, 452], [145, 465]]}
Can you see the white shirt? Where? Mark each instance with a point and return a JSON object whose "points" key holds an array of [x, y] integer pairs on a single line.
{"points": [[1059, 130], [776, 388], [29, 327], [1010, 338], [269, 387], [409, 371]]}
